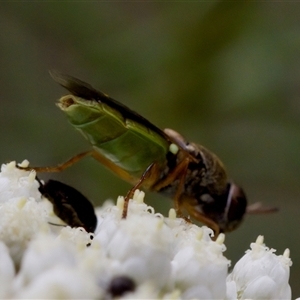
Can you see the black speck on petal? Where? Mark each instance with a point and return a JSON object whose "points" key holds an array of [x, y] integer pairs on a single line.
{"points": [[120, 285]]}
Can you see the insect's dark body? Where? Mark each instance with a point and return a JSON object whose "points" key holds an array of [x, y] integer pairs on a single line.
{"points": [[70, 205]]}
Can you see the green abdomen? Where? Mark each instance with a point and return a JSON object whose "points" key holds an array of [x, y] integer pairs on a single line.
{"points": [[128, 144]]}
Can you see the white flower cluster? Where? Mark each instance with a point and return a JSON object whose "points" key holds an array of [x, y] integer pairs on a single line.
{"points": [[145, 256]]}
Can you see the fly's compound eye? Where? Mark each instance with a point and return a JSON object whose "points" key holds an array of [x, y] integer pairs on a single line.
{"points": [[236, 206]]}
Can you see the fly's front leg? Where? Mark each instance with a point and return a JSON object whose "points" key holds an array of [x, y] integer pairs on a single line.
{"points": [[59, 167], [130, 193], [190, 205], [205, 220]]}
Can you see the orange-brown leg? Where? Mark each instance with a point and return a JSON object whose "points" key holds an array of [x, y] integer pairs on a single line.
{"points": [[206, 221], [179, 172], [62, 166], [134, 188]]}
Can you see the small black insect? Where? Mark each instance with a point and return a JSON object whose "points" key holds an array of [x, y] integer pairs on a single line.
{"points": [[69, 205]]}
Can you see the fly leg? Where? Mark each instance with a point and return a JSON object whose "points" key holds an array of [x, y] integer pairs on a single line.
{"points": [[179, 172], [203, 219], [134, 188], [59, 167]]}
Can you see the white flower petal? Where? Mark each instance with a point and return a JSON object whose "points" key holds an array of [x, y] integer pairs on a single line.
{"points": [[7, 271], [231, 292], [16, 183], [61, 282], [21, 219]]}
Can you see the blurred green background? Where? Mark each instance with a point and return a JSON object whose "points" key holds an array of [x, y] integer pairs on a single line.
{"points": [[224, 74]]}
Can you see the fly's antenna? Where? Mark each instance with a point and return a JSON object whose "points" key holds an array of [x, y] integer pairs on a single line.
{"points": [[258, 208]]}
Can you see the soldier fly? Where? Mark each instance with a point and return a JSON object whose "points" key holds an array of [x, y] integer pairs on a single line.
{"points": [[158, 160]]}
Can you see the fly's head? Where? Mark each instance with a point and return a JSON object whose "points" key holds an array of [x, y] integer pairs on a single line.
{"points": [[221, 212]]}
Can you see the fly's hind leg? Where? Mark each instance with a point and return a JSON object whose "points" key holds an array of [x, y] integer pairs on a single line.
{"points": [[59, 167]]}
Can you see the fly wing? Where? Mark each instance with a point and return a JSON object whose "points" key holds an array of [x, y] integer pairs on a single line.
{"points": [[84, 90]]}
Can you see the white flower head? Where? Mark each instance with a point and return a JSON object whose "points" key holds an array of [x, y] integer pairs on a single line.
{"points": [[21, 219], [134, 242], [17, 183], [200, 269], [260, 274], [143, 256], [21, 214]]}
